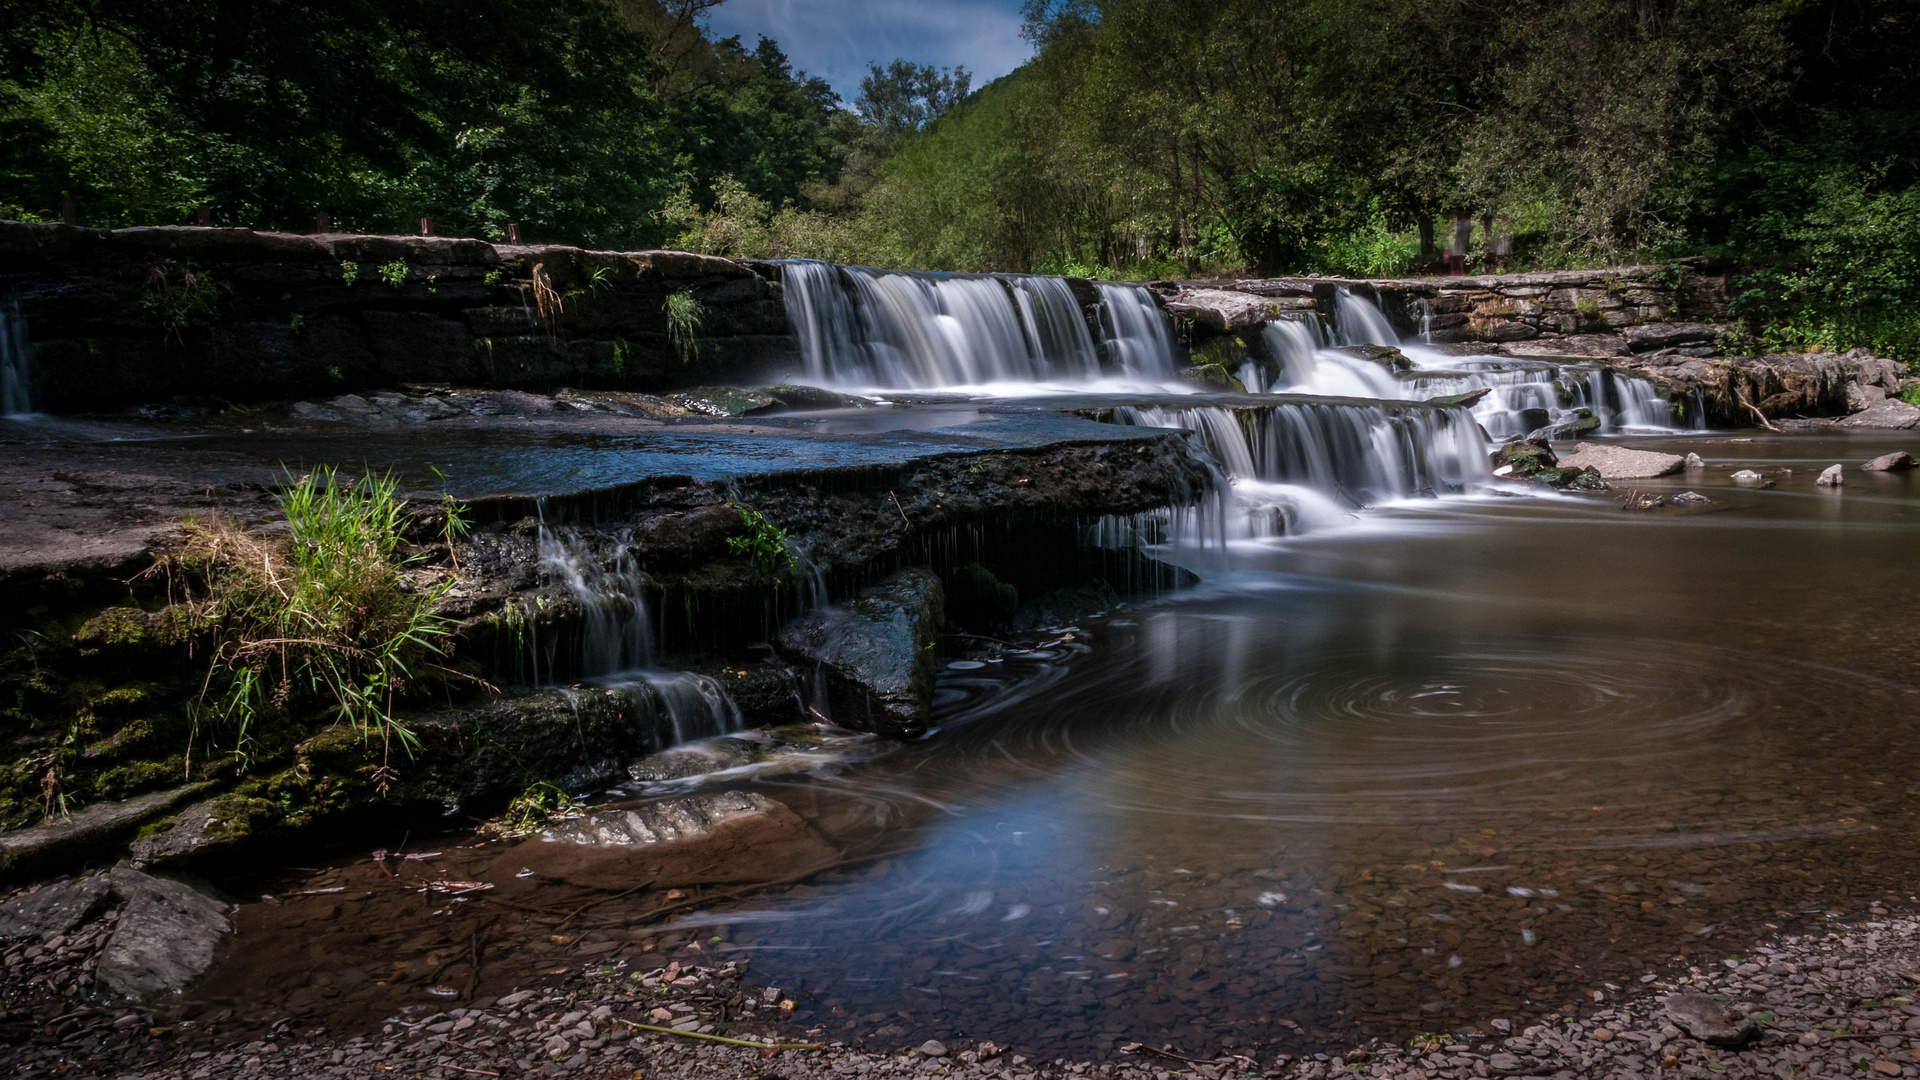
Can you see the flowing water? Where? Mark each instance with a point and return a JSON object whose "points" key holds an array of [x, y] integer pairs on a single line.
{"points": [[1412, 756], [1465, 758], [16, 360]]}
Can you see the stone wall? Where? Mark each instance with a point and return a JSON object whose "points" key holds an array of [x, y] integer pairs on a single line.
{"points": [[147, 314]]}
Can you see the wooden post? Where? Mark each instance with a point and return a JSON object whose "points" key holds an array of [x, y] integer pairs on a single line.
{"points": [[426, 226], [69, 212], [513, 232], [322, 223], [203, 216]]}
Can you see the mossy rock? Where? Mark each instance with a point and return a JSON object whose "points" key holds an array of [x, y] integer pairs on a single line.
{"points": [[1212, 377], [1525, 458], [977, 599], [134, 628]]}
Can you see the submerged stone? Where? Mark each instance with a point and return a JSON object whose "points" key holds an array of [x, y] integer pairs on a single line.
{"points": [[1212, 377], [876, 653]]}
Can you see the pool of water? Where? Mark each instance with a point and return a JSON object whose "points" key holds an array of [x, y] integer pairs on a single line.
{"points": [[1475, 758]]}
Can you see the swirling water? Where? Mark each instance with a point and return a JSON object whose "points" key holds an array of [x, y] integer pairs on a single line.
{"points": [[1477, 764]]}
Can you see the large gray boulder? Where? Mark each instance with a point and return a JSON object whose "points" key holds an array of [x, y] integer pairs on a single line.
{"points": [[875, 653], [1620, 463], [1890, 415], [169, 934]]}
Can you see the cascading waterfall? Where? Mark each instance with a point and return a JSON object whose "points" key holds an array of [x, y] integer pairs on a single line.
{"points": [[1623, 402], [1297, 465], [911, 330], [16, 357]]}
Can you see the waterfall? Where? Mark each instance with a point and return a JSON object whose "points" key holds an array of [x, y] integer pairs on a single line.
{"points": [[615, 634], [1622, 402], [1135, 332], [697, 705], [915, 330], [16, 374], [1297, 465]]}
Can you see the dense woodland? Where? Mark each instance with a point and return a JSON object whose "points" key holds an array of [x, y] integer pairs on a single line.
{"points": [[1147, 138]]}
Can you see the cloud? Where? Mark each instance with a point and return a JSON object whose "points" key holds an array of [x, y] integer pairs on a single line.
{"points": [[837, 39]]}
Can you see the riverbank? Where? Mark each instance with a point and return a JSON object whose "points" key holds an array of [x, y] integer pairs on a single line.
{"points": [[1834, 1000]]}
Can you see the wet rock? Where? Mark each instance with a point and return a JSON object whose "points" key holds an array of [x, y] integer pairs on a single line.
{"points": [[1385, 355], [53, 908], [1534, 419], [1524, 458], [692, 818], [760, 400], [934, 1048], [1898, 461], [876, 653], [1466, 400], [1620, 463], [1747, 476], [1212, 377], [1708, 1020], [1832, 476], [979, 600], [1583, 422], [1690, 498], [1695, 461], [168, 935]]}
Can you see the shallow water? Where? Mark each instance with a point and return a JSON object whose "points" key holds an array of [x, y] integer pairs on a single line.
{"points": [[1476, 758]]}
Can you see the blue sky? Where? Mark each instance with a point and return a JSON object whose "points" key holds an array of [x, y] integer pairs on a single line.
{"points": [[837, 39]]}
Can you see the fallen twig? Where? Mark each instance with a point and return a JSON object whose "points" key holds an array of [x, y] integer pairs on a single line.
{"points": [[464, 1069], [1751, 407], [720, 1038], [899, 509]]}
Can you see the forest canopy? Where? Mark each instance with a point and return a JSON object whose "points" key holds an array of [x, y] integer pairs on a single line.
{"points": [[1146, 138]]}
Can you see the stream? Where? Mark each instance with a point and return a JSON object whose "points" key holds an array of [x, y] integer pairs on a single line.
{"points": [[1445, 760]]}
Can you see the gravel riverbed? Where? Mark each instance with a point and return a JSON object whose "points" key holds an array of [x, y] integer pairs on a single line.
{"points": [[1840, 1002]]}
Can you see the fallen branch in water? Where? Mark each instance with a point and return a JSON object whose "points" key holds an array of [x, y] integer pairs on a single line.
{"points": [[1751, 407], [719, 1038]]}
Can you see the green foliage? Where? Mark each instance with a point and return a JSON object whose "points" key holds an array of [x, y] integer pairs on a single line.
{"points": [[491, 278], [330, 622], [395, 273], [182, 296], [1373, 249], [536, 807], [349, 272], [684, 316], [766, 545]]}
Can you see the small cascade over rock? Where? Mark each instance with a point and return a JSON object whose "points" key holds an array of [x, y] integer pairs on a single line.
{"points": [[913, 330], [16, 363], [615, 634], [1301, 464], [1307, 357]]}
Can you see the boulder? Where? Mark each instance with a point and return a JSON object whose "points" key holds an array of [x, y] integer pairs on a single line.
{"points": [[1690, 498], [1709, 1021], [876, 653], [169, 934], [1898, 461], [1222, 311], [1620, 463], [53, 908], [1695, 461], [1385, 355], [1832, 476], [1534, 419], [1652, 336], [728, 836], [1746, 476], [1890, 415]]}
